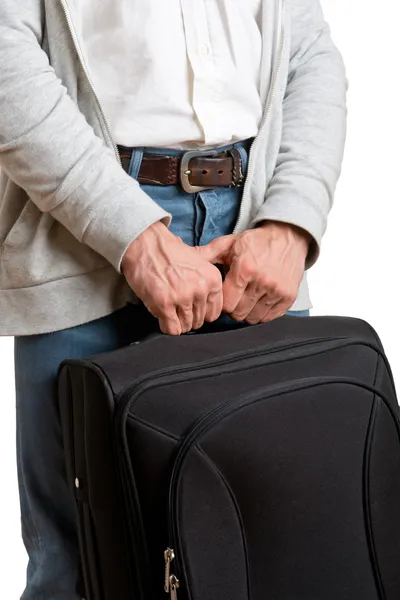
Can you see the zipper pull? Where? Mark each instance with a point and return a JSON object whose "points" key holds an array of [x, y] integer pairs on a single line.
{"points": [[174, 585], [169, 556]]}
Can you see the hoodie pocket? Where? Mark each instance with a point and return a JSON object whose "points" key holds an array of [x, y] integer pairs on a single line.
{"points": [[16, 234], [38, 249]]}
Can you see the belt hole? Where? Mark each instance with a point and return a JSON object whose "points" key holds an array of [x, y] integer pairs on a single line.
{"points": [[220, 172], [204, 172]]}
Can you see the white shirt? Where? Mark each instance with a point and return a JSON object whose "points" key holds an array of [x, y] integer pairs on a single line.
{"points": [[176, 73]]}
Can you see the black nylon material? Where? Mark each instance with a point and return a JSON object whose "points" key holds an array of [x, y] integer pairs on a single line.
{"points": [[275, 475]]}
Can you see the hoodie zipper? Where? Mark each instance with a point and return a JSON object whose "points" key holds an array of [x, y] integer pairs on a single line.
{"points": [[270, 99], [86, 71]]}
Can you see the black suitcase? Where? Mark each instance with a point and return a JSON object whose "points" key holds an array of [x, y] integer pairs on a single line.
{"points": [[261, 463]]}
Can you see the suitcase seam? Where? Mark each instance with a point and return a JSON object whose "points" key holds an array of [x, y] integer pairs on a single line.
{"points": [[238, 514], [237, 510], [145, 423], [381, 353], [137, 392], [366, 491]]}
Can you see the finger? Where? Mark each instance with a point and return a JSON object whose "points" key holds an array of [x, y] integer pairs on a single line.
{"points": [[282, 306], [275, 311], [234, 287], [165, 312], [170, 324], [248, 302], [199, 312], [217, 251], [185, 316], [215, 302], [262, 310]]}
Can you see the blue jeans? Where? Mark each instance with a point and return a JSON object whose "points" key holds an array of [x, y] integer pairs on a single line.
{"points": [[47, 511]]}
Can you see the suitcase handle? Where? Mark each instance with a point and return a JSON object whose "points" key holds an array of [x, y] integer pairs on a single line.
{"points": [[205, 330], [150, 323]]}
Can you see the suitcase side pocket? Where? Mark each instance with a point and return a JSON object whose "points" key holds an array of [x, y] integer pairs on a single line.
{"points": [[326, 387]]}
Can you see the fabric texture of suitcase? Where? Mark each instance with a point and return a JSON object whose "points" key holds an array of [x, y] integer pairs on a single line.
{"points": [[261, 463]]}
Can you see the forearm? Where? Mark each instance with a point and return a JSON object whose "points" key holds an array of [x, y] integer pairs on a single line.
{"points": [[48, 148], [308, 166]]}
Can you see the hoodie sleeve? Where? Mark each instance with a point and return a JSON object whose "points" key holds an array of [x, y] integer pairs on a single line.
{"points": [[309, 162], [48, 148]]}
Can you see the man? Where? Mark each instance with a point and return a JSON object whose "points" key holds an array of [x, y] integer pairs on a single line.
{"points": [[106, 220]]}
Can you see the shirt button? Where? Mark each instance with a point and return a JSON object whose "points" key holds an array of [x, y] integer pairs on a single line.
{"points": [[204, 50]]}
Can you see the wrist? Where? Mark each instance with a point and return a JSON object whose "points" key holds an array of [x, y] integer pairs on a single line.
{"points": [[134, 249], [301, 234]]}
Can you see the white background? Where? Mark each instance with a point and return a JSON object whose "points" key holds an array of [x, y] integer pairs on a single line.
{"points": [[357, 272]]}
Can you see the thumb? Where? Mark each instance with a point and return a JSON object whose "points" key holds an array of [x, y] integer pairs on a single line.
{"points": [[217, 251]]}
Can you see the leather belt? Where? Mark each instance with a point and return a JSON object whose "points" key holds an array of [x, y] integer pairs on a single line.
{"points": [[194, 170]]}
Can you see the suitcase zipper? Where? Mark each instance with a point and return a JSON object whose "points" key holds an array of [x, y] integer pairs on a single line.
{"points": [[125, 398], [208, 421], [171, 582], [168, 557], [174, 585]]}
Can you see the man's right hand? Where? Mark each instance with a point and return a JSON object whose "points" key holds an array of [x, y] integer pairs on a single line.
{"points": [[176, 284]]}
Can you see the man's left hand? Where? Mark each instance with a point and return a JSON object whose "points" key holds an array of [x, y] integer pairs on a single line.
{"points": [[266, 266]]}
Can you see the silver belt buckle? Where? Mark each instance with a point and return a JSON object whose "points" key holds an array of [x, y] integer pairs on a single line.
{"points": [[185, 171]]}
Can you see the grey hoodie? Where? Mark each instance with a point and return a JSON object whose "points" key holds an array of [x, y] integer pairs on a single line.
{"points": [[68, 210]]}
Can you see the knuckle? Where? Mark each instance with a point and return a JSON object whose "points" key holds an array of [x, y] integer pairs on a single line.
{"points": [[275, 288], [247, 268], [214, 279], [185, 314], [186, 306], [200, 294], [280, 294], [186, 323], [164, 305], [161, 300], [202, 285], [253, 295], [264, 281], [291, 296], [185, 298], [268, 282]]}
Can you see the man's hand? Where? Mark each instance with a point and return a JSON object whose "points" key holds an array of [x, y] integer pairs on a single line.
{"points": [[266, 268], [176, 284]]}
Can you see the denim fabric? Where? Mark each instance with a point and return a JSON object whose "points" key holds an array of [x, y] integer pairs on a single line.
{"points": [[200, 217], [48, 519]]}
